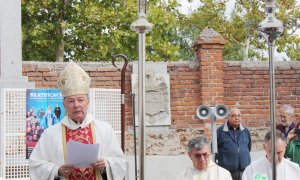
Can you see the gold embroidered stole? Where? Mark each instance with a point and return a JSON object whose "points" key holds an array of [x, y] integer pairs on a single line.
{"points": [[84, 135]]}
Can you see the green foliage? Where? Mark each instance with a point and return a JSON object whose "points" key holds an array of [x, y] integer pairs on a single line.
{"points": [[210, 14], [289, 14], [233, 51], [163, 41], [248, 14], [38, 42], [94, 30], [241, 27]]}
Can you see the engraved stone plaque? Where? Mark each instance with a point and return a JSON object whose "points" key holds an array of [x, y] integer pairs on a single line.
{"points": [[157, 94]]}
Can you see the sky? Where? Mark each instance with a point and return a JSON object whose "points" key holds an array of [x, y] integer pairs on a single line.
{"points": [[189, 7]]}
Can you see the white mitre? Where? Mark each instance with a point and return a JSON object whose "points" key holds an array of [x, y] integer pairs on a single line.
{"points": [[73, 80]]}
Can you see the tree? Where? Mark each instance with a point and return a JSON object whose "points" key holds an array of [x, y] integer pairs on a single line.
{"points": [[240, 29], [243, 27], [163, 41], [82, 30], [211, 13], [245, 19], [289, 14], [93, 30], [38, 27]]}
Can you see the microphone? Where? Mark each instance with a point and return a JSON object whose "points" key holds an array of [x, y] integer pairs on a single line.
{"points": [[79, 128]]}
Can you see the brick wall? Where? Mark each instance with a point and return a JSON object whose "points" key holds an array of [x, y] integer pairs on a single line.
{"points": [[184, 85], [247, 87], [207, 80]]}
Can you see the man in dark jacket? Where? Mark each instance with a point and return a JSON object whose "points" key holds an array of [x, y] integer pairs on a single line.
{"points": [[234, 145]]}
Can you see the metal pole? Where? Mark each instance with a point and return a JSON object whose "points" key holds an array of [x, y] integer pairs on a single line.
{"points": [[134, 136], [141, 102], [141, 26], [272, 106], [214, 133], [271, 28]]}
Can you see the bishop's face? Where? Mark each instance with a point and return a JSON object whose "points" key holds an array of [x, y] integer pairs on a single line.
{"points": [[200, 158], [76, 107]]}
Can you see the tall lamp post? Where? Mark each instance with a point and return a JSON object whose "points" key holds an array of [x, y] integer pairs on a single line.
{"points": [[141, 26], [271, 28]]}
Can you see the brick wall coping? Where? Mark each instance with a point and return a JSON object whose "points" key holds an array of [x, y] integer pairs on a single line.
{"points": [[94, 66], [87, 65], [265, 64]]}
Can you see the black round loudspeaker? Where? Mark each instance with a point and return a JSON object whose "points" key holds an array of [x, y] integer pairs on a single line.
{"points": [[221, 111], [203, 112]]}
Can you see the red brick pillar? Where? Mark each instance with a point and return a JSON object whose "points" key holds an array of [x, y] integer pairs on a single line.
{"points": [[208, 47]]}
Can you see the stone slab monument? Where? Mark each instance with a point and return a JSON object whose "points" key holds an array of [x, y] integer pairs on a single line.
{"points": [[10, 46], [157, 94], [10, 65]]}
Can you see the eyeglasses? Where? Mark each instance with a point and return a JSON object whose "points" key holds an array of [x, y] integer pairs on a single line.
{"points": [[199, 155]]}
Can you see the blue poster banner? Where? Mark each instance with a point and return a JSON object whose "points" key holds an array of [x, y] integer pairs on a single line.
{"points": [[44, 108]]}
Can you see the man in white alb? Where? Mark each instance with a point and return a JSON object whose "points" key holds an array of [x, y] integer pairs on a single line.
{"points": [[203, 167], [261, 169], [48, 159]]}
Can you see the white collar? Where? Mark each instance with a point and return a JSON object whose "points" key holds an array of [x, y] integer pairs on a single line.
{"points": [[281, 164], [210, 164], [69, 123]]}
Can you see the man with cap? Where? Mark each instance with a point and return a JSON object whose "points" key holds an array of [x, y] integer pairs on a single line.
{"points": [[48, 159]]}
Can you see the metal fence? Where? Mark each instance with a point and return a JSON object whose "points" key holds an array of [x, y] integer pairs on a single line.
{"points": [[105, 104]]}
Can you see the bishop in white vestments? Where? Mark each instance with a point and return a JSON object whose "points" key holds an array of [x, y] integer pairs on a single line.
{"points": [[203, 167], [48, 159]]}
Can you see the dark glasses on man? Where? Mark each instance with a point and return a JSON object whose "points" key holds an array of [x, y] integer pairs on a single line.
{"points": [[200, 155]]}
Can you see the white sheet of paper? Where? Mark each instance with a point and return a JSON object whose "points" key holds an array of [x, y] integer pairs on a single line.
{"points": [[81, 155]]}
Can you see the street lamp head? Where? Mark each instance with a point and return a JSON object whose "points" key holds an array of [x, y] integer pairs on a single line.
{"points": [[270, 27], [142, 25]]}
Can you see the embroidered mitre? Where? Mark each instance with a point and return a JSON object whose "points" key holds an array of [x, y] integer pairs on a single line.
{"points": [[73, 80]]}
